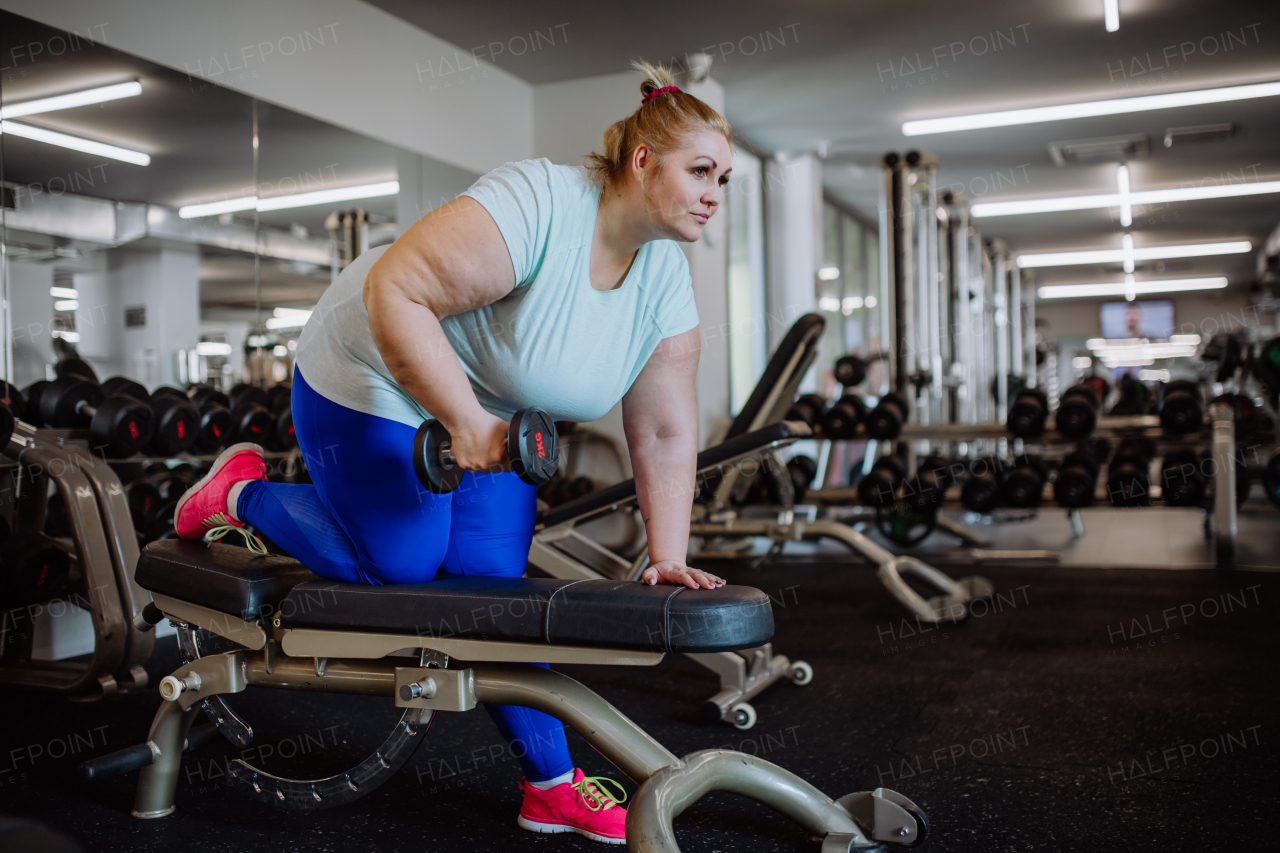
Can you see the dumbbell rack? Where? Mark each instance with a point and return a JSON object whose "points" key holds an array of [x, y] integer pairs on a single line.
{"points": [[1219, 429]]}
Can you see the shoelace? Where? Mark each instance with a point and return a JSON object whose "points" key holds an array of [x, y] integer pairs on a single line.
{"points": [[220, 525], [594, 795]]}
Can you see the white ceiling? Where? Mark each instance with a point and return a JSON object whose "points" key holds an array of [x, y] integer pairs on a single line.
{"points": [[834, 80]]}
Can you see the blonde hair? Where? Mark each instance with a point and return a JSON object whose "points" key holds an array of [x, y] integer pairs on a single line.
{"points": [[661, 124]]}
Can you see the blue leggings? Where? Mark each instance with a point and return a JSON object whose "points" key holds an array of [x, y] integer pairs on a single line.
{"points": [[367, 519]]}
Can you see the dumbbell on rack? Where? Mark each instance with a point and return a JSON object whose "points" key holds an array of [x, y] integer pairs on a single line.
{"points": [[215, 418], [121, 425], [250, 418], [1181, 407], [981, 491], [1182, 478], [1023, 484], [1028, 413], [1077, 413], [1077, 478], [840, 422], [879, 486], [886, 420], [532, 447], [808, 409], [177, 422], [1128, 474]]}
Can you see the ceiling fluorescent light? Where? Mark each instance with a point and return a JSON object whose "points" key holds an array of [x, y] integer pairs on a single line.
{"points": [[1094, 202], [1088, 109], [1121, 288], [98, 95], [1122, 186], [75, 143], [216, 208], [286, 202], [1111, 14], [1144, 253]]}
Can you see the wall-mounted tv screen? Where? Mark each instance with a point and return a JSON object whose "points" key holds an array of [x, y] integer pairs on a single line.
{"points": [[1152, 320]]}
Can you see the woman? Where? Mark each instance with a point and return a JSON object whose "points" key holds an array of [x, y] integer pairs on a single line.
{"points": [[541, 286]]}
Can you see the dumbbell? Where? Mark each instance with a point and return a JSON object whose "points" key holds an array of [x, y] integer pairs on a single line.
{"points": [[121, 425], [1182, 479], [250, 419], [125, 385], [926, 490], [885, 421], [279, 397], [1247, 417], [75, 366], [144, 499], [1271, 478], [850, 370], [1023, 484], [1181, 409], [177, 425], [203, 394], [841, 421], [1128, 475], [802, 470], [1077, 413], [216, 426], [1028, 413], [37, 570], [981, 491], [532, 447], [880, 485], [1077, 478], [808, 409], [31, 411]]}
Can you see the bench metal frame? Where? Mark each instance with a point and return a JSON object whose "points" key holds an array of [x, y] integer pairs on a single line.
{"points": [[291, 660], [563, 552]]}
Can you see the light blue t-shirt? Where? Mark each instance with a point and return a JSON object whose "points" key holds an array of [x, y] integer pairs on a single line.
{"points": [[554, 342]]}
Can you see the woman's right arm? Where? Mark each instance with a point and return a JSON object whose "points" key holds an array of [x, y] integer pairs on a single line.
{"points": [[451, 261]]}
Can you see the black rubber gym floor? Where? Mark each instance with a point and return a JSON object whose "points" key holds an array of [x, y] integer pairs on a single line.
{"points": [[1085, 709]]}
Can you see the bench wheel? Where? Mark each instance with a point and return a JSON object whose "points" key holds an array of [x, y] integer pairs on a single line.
{"points": [[922, 822], [801, 673], [742, 716]]}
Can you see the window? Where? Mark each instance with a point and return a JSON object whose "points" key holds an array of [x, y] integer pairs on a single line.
{"points": [[848, 292]]}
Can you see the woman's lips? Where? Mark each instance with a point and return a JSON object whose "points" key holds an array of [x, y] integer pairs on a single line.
{"points": [[702, 217]]}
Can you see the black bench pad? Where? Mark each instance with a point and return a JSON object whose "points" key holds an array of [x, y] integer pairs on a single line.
{"points": [[599, 613], [602, 613], [221, 577]]}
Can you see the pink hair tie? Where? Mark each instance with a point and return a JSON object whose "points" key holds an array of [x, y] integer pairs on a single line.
{"points": [[656, 92]]}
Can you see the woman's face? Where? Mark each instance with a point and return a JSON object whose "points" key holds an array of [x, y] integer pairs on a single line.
{"points": [[686, 189]]}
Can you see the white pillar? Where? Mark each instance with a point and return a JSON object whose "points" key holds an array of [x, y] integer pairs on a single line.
{"points": [[165, 283], [31, 313], [793, 199]]}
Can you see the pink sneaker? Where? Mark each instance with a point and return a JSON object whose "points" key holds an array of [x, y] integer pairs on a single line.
{"points": [[581, 806], [202, 509]]}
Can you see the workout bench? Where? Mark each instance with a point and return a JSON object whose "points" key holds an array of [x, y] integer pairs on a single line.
{"points": [[267, 605]]}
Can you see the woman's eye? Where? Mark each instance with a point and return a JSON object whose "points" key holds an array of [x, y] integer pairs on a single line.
{"points": [[700, 171]]}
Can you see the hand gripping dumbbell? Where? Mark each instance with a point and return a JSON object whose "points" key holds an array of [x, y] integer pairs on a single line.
{"points": [[1181, 407], [880, 485], [1023, 484], [885, 421], [532, 446], [1077, 478], [1128, 474], [1028, 413], [121, 425], [841, 421]]}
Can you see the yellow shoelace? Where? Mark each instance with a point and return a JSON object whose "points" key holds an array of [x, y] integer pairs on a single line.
{"points": [[594, 795], [220, 525]]}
